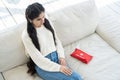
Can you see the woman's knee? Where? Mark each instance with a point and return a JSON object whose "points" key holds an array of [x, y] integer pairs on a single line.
{"points": [[75, 76]]}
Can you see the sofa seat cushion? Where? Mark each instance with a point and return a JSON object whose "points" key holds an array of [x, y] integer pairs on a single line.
{"points": [[105, 63], [1, 77], [19, 73], [109, 27]]}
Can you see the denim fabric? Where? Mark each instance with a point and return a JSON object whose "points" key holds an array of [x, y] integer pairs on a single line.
{"points": [[46, 75]]}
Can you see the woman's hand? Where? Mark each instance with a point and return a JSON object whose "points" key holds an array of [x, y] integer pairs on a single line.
{"points": [[65, 70], [62, 61]]}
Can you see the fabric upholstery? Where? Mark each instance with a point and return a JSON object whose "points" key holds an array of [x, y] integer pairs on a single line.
{"points": [[12, 51], [74, 22], [109, 27], [19, 73], [1, 77], [105, 63]]}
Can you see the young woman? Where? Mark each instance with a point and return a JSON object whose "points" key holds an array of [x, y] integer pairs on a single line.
{"points": [[44, 48]]}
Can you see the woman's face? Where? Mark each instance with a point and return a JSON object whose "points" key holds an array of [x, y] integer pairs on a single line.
{"points": [[37, 22]]}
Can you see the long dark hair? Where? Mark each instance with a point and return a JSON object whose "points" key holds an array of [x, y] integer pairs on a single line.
{"points": [[32, 12]]}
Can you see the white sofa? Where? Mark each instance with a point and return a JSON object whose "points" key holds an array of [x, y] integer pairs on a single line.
{"points": [[78, 26]]}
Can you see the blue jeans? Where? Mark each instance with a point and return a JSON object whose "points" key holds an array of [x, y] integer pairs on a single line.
{"points": [[46, 75]]}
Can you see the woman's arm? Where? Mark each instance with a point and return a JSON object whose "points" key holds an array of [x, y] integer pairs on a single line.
{"points": [[59, 46], [37, 57]]}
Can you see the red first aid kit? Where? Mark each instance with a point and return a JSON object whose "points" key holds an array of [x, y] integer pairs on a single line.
{"points": [[82, 56]]}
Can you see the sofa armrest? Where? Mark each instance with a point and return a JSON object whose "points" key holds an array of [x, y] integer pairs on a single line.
{"points": [[109, 28]]}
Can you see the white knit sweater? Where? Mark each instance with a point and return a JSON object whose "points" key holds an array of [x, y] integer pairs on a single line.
{"points": [[47, 46]]}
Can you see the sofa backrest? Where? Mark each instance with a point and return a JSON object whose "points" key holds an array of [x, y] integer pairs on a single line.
{"points": [[74, 22], [71, 23], [12, 51]]}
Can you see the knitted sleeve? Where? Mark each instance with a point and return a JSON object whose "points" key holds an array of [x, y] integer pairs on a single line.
{"points": [[41, 61]]}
